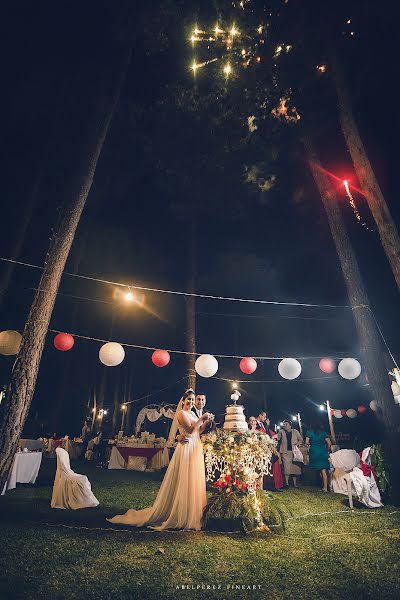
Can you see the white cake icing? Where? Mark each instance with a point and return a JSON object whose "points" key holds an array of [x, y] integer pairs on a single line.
{"points": [[235, 419]]}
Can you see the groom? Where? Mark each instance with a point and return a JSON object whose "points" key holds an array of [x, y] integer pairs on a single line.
{"points": [[199, 404]]}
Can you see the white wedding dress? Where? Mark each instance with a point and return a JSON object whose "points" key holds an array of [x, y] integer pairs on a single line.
{"points": [[182, 496]]}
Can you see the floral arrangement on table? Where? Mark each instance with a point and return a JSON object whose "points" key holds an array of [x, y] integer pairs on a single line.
{"points": [[236, 463]]}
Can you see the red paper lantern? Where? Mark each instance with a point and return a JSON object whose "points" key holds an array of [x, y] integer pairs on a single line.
{"points": [[248, 365], [63, 341], [160, 358], [327, 365], [343, 412], [361, 409], [332, 411]]}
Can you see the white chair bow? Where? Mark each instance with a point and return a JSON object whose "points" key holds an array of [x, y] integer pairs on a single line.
{"points": [[70, 490]]}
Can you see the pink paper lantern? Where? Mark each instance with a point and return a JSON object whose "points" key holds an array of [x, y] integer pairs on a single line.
{"points": [[160, 358], [63, 341], [248, 365], [361, 409], [327, 365]]}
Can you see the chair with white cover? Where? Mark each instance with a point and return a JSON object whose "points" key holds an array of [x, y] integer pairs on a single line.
{"points": [[70, 490]]}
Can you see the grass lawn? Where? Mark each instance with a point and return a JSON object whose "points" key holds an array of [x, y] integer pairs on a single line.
{"points": [[55, 554]]}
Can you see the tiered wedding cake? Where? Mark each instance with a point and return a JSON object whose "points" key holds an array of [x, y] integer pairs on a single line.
{"points": [[235, 419]]}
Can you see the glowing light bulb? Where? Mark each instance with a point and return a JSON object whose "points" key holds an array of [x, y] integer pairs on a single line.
{"points": [[227, 69], [321, 407], [294, 418], [243, 52], [321, 68], [217, 30], [129, 296], [258, 59], [234, 31], [123, 406], [260, 29], [194, 67], [193, 39]]}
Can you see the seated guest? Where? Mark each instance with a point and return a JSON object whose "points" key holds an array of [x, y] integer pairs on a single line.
{"points": [[252, 423], [287, 438], [319, 441]]}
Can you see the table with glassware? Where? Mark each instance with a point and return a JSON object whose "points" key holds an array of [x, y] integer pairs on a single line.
{"points": [[153, 449]]}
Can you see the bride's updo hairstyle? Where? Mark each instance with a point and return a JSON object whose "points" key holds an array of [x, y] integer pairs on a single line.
{"points": [[188, 393]]}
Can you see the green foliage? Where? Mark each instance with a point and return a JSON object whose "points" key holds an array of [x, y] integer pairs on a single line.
{"points": [[381, 468], [236, 511]]}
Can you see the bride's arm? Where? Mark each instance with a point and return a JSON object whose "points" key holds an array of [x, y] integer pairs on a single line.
{"points": [[189, 426]]}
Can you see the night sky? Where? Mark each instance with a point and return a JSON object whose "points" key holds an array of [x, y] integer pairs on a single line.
{"points": [[135, 229]]}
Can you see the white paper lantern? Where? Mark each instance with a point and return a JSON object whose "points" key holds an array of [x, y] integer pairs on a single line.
{"points": [[235, 396], [395, 388], [373, 405], [111, 354], [349, 368], [289, 368], [10, 342], [397, 400], [338, 414], [351, 413], [206, 365]]}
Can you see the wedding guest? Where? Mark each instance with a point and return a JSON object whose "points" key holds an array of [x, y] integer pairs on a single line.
{"points": [[252, 424], [276, 461], [289, 437], [319, 441], [85, 438], [261, 420]]}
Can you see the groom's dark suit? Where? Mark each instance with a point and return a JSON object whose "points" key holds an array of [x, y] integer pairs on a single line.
{"points": [[211, 426]]}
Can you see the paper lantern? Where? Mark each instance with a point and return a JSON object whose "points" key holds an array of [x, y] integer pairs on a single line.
{"points": [[63, 341], [397, 400], [206, 365], [349, 368], [327, 365], [332, 412], [351, 413], [289, 368], [248, 365], [373, 405], [395, 388], [10, 342], [160, 358], [343, 412], [235, 396], [361, 409], [338, 414], [111, 354]]}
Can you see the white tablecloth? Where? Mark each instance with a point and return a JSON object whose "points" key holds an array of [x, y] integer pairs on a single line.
{"points": [[32, 444], [25, 469], [159, 461]]}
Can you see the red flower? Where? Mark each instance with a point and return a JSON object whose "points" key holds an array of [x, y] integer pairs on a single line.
{"points": [[239, 433], [216, 484], [228, 478], [245, 486], [235, 483]]}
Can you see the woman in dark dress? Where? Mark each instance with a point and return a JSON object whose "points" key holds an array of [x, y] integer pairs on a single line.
{"points": [[319, 441]]}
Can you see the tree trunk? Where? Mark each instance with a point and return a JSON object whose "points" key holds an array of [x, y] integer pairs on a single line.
{"points": [[370, 341], [388, 233], [14, 409], [191, 302]]}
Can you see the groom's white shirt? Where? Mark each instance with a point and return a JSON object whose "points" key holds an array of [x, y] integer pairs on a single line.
{"points": [[198, 412]]}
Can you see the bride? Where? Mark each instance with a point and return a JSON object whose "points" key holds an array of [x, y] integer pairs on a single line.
{"points": [[182, 496]]}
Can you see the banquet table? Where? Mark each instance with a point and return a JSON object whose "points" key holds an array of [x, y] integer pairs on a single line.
{"points": [[157, 457], [25, 469], [32, 444]]}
